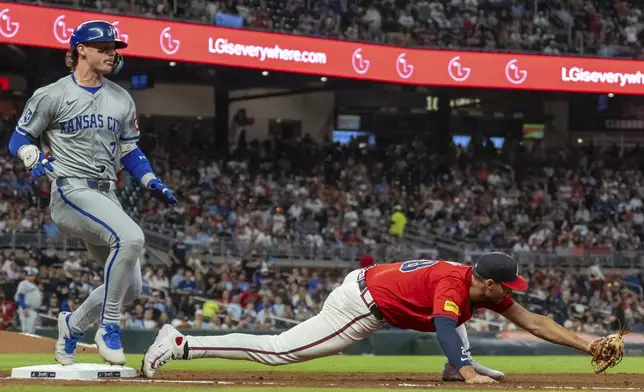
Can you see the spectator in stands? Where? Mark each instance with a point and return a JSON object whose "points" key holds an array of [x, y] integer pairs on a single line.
{"points": [[234, 308], [135, 321], [7, 311], [398, 222], [249, 296], [49, 257], [159, 280], [178, 253], [177, 278], [188, 283]]}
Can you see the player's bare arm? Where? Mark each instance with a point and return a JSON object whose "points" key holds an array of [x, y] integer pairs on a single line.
{"points": [[494, 282], [545, 328], [606, 351]]}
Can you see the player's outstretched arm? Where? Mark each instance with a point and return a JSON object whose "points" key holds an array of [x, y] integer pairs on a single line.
{"points": [[134, 160], [136, 163], [545, 328]]}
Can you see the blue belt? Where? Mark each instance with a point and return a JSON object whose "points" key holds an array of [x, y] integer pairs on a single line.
{"points": [[99, 185]]}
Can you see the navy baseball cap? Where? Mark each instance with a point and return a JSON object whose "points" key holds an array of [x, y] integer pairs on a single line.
{"points": [[501, 268]]}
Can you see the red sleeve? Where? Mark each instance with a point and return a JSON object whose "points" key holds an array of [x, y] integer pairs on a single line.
{"points": [[449, 298], [500, 307]]}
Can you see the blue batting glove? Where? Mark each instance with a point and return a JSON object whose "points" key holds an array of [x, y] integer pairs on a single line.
{"points": [[43, 165], [161, 191]]}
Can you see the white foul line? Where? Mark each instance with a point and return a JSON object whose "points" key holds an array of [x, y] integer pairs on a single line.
{"points": [[498, 387]]}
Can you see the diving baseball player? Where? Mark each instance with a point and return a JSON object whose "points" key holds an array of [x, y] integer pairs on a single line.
{"points": [[423, 295], [87, 125], [29, 300]]}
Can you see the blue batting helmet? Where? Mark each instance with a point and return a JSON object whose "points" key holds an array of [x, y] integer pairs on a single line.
{"points": [[98, 31], [95, 31]]}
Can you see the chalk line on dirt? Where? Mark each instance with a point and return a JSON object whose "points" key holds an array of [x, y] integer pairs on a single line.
{"points": [[491, 387]]}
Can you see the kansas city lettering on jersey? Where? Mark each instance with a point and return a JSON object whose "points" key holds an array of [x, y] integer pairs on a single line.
{"points": [[90, 121]]}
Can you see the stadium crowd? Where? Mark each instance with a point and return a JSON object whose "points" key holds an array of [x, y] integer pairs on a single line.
{"points": [[321, 198], [569, 201], [255, 293], [593, 27]]}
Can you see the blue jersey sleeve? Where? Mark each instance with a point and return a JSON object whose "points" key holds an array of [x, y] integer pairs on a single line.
{"points": [[18, 139]]}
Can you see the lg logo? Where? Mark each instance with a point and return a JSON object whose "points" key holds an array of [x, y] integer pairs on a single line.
{"points": [[8, 29], [168, 44], [123, 36], [62, 33], [514, 74], [404, 69], [359, 63], [457, 71]]}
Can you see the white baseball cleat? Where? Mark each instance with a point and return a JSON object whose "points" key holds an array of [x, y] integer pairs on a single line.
{"points": [[485, 371], [451, 374], [108, 341], [168, 345], [65, 353]]}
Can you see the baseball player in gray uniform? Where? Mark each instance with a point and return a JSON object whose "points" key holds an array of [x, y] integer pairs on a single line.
{"points": [[87, 126], [29, 300]]}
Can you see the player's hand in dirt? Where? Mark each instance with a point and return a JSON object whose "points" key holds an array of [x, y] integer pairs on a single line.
{"points": [[478, 379]]}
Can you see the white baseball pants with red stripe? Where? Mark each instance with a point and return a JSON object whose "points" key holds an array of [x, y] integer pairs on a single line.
{"points": [[343, 320]]}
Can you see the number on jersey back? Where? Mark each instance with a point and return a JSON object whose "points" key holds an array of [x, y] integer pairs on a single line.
{"points": [[414, 265]]}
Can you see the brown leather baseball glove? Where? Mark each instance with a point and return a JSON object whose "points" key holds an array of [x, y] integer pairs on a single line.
{"points": [[608, 351]]}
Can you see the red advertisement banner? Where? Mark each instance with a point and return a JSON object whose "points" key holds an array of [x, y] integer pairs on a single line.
{"points": [[176, 41]]}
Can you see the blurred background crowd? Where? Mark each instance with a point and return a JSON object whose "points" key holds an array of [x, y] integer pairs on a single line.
{"points": [[578, 27], [255, 294], [326, 197]]}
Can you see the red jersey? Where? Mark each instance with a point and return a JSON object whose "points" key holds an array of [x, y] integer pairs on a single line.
{"points": [[7, 309], [411, 293]]}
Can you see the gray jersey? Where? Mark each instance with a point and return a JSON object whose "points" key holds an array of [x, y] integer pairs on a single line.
{"points": [[83, 131], [33, 300]]}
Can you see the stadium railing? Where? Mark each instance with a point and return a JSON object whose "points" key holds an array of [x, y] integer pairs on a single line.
{"points": [[451, 249], [278, 249], [285, 249]]}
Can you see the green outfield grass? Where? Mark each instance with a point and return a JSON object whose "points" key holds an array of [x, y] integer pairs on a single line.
{"points": [[359, 363], [340, 363]]}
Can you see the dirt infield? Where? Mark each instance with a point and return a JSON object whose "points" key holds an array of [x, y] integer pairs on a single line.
{"points": [[410, 380], [17, 343], [613, 382]]}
